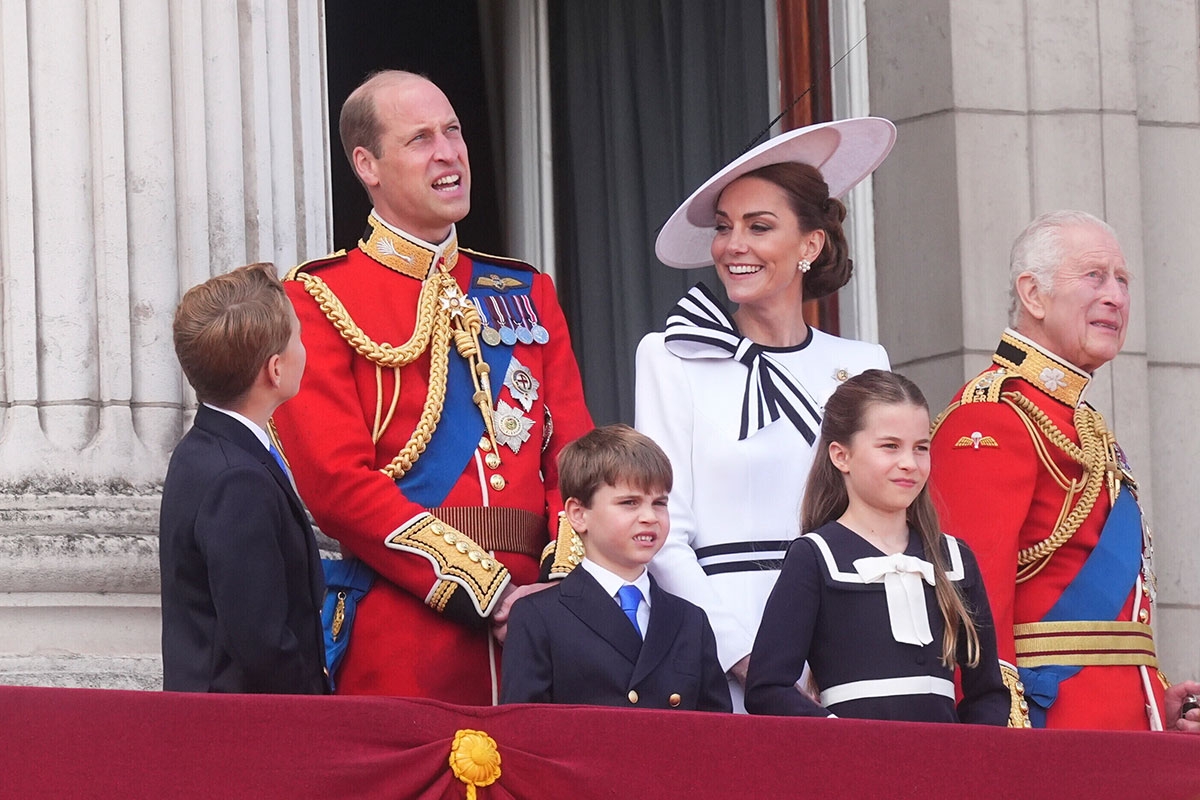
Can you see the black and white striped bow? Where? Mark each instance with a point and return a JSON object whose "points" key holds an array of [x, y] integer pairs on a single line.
{"points": [[698, 327]]}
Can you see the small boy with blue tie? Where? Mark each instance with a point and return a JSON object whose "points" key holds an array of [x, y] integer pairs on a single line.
{"points": [[606, 634]]}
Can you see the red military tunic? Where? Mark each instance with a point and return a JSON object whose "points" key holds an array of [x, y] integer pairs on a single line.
{"points": [[422, 629], [1000, 481]]}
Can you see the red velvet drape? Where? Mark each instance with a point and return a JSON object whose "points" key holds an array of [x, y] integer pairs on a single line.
{"points": [[78, 743]]}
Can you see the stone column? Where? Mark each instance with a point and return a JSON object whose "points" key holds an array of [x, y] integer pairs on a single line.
{"points": [[144, 146], [1168, 88], [1007, 109]]}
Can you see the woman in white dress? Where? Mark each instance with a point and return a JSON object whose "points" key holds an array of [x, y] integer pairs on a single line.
{"points": [[735, 400]]}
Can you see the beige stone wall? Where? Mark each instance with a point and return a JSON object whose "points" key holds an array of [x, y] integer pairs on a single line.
{"points": [[1168, 95], [1006, 109]]}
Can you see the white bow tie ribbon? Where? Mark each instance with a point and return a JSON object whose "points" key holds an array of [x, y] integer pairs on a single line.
{"points": [[698, 327], [901, 576]]}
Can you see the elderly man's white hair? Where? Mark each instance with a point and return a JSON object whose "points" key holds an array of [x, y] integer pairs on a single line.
{"points": [[1038, 251]]}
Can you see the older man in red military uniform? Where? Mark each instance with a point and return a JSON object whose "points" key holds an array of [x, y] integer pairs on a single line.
{"points": [[441, 386], [1031, 477]]}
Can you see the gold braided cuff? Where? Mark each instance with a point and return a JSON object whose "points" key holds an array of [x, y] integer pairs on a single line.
{"points": [[442, 590], [567, 549], [456, 559], [1018, 713]]}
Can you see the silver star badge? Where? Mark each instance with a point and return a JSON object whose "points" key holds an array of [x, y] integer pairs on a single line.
{"points": [[521, 384], [512, 427]]}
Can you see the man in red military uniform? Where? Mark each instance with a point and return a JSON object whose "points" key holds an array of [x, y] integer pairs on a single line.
{"points": [[441, 386], [1029, 475]]}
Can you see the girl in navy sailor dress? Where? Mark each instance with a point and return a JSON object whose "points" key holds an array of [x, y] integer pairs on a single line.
{"points": [[882, 606]]}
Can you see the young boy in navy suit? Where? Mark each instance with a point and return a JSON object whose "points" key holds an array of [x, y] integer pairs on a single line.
{"points": [[606, 634], [241, 574]]}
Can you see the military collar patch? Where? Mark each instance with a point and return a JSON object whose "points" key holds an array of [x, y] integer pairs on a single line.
{"points": [[404, 253], [500, 283], [1060, 379]]}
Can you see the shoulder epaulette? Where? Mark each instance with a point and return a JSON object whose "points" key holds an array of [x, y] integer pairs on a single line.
{"points": [[316, 263], [513, 263], [986, 387]]}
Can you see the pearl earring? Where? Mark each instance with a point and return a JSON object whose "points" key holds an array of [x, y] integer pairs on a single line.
{"points": [[804, 265]]}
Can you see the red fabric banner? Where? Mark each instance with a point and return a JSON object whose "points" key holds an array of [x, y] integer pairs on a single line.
{"points": [[82, 743]]}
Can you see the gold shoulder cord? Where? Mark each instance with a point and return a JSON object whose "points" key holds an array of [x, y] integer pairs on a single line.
{"points": [[1095, 453], [442, 314]]}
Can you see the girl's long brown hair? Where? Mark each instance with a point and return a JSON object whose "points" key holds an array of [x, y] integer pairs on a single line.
{"points": [[825, 497]]}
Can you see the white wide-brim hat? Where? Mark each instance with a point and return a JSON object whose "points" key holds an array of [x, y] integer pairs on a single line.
{"points": [[845, 152]]}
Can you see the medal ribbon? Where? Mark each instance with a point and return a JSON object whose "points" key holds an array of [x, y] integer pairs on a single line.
{"points": [[699, 328]]}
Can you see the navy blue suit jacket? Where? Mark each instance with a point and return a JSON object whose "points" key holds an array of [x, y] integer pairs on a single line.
{"points": [[573, 644], [241, 573]]}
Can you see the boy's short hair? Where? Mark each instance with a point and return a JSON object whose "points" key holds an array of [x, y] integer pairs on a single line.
{"points": [[226, 328], [610, 455]]}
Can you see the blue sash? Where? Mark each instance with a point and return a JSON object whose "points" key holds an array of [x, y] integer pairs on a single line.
{"points": [[461, 427], [346, 579], [1098, 592]]}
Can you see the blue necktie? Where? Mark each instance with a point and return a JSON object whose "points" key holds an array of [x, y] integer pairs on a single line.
{"points": [[629, 597], [278, 456]]}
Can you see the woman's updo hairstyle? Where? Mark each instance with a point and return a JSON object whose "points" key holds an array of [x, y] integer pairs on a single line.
{"points": [[808, 196]]}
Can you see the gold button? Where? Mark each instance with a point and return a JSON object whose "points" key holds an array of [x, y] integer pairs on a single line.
{"points": [[1145, 590], [492, 460], [497, 482], [842, 375], [1020, 687], [1023, 706], [1143, 615], [674, 700], [485, 444], [633, 698]]}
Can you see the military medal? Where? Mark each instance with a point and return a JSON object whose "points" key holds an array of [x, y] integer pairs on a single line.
{"points": [[540, 334], [507, 334], [521, 384], [490, 335], [524, 336], [512, 427]]}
